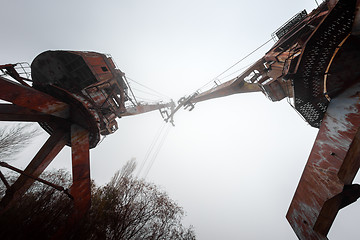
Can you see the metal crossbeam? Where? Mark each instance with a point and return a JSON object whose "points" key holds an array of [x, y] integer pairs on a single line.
{"points": [[32, 99], [42, 159]]}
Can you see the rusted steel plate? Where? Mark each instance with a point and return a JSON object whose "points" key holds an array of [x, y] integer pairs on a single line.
{"points": [[80, 188], [41, 160], [325, 187], [31, 98], [11, 112]]}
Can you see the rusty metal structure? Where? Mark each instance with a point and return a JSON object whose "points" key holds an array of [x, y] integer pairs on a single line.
{"points": [[76, 97], [314, 64]]}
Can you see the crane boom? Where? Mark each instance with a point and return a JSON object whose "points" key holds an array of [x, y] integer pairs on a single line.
{"points": [[236, 85], [314, 63]]}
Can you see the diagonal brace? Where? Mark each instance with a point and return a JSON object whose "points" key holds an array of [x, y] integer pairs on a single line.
{"points": [[42, 159]]}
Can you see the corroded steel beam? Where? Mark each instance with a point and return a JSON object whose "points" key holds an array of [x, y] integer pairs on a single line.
{"points": [[11, 112], [80, 188], [57, 187], [326, 183], [42, 159], [143, 108], [33, 105], [233, 86], [32, 99]]}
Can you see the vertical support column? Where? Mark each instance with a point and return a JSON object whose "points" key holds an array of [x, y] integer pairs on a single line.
{"points": [[81, 189], [326, 183]]}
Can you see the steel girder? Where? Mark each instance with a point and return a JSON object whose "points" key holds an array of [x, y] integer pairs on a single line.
{"points": [[326, 183], [28, 104]]}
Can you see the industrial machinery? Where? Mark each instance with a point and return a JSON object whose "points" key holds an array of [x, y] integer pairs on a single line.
{"points": [[314, 64], [76, 97]]}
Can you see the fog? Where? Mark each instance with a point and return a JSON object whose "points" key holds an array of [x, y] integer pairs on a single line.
{"points": [[232, 163]]}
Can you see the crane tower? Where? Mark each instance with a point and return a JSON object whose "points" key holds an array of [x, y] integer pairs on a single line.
{"points": [[314, 63], [76, 97]]}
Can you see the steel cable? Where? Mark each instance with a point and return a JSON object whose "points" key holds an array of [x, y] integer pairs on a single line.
{"points": [[161, 94], [163, 138], [242, 59], [150, 149]]}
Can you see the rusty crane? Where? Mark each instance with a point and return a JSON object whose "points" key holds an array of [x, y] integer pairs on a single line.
{"points": [[314, 64], [76, 97]]}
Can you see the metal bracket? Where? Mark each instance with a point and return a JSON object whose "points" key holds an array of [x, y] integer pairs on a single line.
{"points": [[182, 102]]}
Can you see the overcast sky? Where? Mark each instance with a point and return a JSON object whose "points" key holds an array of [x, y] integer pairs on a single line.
{"points": [[233, 163]]}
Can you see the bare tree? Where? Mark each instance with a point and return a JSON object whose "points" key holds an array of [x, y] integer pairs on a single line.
{"points": [[129, 208], [13, 139], [125, 208]]}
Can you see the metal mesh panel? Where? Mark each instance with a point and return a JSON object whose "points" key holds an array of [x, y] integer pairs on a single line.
{"points": [[308, 82]]}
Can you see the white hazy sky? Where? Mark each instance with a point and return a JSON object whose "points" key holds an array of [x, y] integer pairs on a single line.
{"points": [[232, 163]]}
